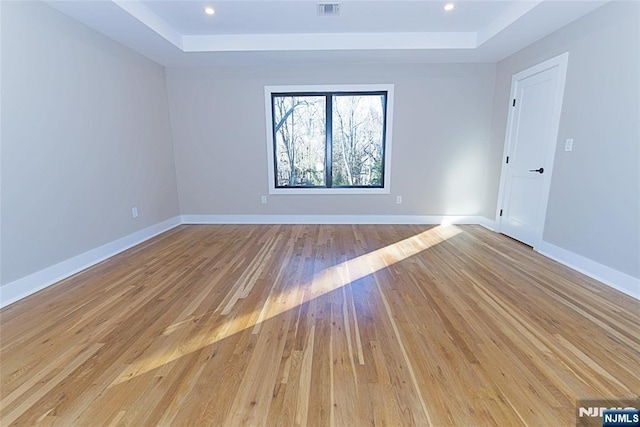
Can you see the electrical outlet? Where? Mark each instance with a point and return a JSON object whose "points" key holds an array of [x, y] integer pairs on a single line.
{"points": [[263, 200], [399, 199], [134, 211], [568, 144]]}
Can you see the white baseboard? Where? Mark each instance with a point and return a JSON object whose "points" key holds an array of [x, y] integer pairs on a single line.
{"points": [[28, 285], [623, 282], [489, 224], [16, 290], [336, 219]]}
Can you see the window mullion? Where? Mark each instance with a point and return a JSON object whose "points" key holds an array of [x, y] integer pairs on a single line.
{"points": [[328, 140], [275, 143]]}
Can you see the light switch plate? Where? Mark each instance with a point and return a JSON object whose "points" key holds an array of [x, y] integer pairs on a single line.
{"points": [[568, 144]]}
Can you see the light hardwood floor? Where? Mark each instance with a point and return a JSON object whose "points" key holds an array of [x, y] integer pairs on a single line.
{"points": [[318, 325]]}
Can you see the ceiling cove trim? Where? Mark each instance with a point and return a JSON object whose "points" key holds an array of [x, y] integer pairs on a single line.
{"points": [[328, 41], [325, 41], [516, 11], [143, 14]]}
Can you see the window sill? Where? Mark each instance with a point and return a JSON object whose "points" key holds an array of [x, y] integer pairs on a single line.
{"points": [[319, 191]]}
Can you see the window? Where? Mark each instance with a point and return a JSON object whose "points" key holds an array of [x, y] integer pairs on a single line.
{"points": [[329, 139]]}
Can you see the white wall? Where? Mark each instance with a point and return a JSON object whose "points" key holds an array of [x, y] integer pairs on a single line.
{"points": [[440, 141], [85, 136], [594, 205]]}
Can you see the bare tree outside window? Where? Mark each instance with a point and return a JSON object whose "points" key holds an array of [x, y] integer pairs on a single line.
{"points": [[358, 128], [299, 128], [329, 139]]}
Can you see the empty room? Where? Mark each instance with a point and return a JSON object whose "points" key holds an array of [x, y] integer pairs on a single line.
{"points": [[256, 212]]}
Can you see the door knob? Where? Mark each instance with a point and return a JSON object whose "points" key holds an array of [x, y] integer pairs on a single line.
{"points": [[541, 170]]}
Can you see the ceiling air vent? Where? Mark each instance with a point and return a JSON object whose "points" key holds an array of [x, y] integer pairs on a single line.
{"points": [[328, 9]]}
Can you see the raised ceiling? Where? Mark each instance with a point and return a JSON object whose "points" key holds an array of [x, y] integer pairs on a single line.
{"points": [[179, 33]]}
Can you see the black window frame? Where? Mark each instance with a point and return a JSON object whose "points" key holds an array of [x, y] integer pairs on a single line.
{"points": [[329, 137]]}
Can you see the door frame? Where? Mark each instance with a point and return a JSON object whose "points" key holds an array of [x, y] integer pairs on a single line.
{"points": [[560, 61]]}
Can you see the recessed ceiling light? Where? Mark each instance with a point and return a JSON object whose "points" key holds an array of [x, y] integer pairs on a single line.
{"points": [[209, 10], [449, 7]]}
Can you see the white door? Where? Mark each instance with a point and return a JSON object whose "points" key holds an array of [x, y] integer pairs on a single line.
{"points": [[532, 130]]}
